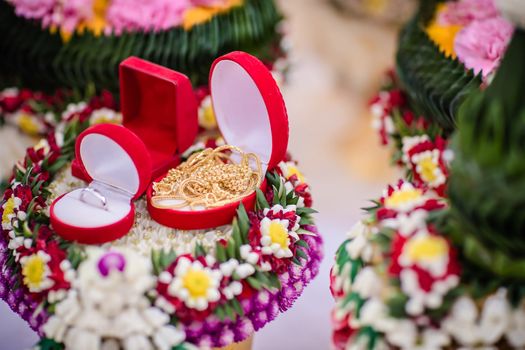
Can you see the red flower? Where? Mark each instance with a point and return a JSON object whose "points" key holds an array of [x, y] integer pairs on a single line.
{"points": [[342, 331], [58, 256]]}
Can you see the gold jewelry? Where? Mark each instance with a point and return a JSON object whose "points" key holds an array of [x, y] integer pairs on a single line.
{"points": [[209, 178]]}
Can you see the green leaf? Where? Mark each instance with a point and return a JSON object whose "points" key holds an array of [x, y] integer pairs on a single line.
{"points": [[220, 252], [305, 211], [301, 254], [199, 250], [261, 203], [49, 344], [237, 307], [302, 243], [254, 283], [244, 223]]}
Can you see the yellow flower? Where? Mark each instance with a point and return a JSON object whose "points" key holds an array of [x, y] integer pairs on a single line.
{"points": [[36, 272], [428, 169], [207, 115], [275, 238], [198, 15], [443, 35], [403, 197], [279, 234], [197, 282], [9, 210], [289, 169], [426, 248], [28, 124]]}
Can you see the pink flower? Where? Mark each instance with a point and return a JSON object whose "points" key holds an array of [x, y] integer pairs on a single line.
{"points": [[464, 12], [208, 3], [34, 9], [74, 12], [130, 15], [482, 44]]}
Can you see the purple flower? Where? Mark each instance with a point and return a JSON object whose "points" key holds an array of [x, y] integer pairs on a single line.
{"points": [[226, 337], [111, 261], [481, 45], [243, 329], [259, 319]]}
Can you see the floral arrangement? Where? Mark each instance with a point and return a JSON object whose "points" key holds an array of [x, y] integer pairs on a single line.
{"points": [[119, 16], [182, 289], [436, 261], [474, 31]]}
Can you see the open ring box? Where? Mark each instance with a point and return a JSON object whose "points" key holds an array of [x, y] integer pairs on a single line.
{"points": [[251, 114], [119, 162]]}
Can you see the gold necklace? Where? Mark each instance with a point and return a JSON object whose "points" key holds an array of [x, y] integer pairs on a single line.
{"points": [[209, 178]]}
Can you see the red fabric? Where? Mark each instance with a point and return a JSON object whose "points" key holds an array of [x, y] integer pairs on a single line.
{"points": [[159, 105]]}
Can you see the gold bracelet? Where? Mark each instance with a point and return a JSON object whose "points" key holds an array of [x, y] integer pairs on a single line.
{"points": [[210, 179]]}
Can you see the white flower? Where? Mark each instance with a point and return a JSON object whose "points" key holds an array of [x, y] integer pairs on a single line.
{"points": [[232, 290], [419, 298], [409, 142], [95, 315], [290, 169], [427, 166], [469, 328], [227, 268], [81, 339], [374, 313], [275, 238], [73, 108], [244, 270], [516, 329], [360, 247], [248, 254], [408, 223], [405, 335], [367, 283], [105, 115], [195, 284], [404, 198], [276, 209]]}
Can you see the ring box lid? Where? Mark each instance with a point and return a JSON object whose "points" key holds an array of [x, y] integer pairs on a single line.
{"points": [[158, 104], [249, 107], [115, 156]]}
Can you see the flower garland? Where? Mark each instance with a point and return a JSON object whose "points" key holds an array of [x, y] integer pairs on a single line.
{"points": [[217, 289], [420, 148], [398, 280], [118, 16]]}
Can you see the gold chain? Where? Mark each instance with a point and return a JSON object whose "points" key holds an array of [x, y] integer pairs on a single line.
{"points": [[209, 178]]}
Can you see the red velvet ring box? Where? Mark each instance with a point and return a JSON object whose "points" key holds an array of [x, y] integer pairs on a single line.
{"points": [[158, 105], [118, 162], [251, 114]]}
